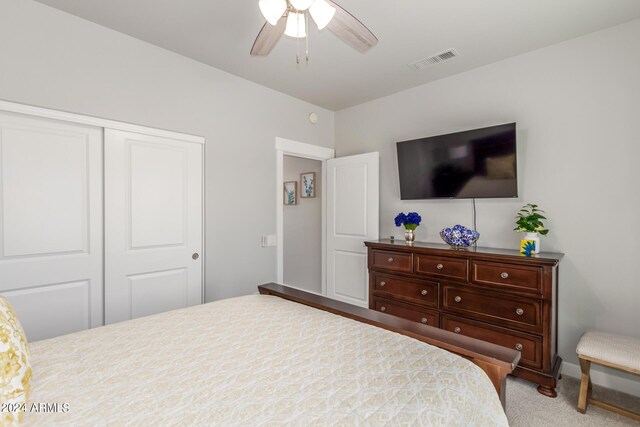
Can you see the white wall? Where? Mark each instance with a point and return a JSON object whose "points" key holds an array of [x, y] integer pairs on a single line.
{"points": [[302, 233], [56, 60], [577, 105]]}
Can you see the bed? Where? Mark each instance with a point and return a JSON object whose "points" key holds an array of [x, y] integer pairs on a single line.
{"points": [[281, 358]]}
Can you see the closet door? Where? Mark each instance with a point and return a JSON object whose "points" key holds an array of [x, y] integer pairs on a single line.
{"points": [[51, 224], [153, 225]]}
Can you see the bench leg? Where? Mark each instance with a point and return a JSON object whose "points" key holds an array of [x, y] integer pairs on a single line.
{"points": [[585, 385]]}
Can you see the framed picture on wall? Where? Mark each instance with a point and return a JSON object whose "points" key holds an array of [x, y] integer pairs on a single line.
{"points": [[290, 193], [308, 185]]}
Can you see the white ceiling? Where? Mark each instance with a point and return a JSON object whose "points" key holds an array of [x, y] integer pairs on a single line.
{"points": [[220, 33]]}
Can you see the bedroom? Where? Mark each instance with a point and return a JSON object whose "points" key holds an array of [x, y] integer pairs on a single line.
{"points": [[575, 97]]}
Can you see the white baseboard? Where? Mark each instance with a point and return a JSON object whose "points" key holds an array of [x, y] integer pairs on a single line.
{"points": [[604, 379]]}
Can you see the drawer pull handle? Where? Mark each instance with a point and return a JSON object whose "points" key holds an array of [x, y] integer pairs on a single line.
{"points": [[439, 266], [518, 346], [457, 329], [457, 299], [390, 259], [519, 311], [383, 308], [424, 292], [424, 320], [504, 275], [382, 284]]}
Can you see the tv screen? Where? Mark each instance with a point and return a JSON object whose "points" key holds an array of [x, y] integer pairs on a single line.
{"points": [[479, 163]]}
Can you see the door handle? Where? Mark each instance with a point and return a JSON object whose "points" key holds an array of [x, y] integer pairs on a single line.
{"points": [[195, 256]]}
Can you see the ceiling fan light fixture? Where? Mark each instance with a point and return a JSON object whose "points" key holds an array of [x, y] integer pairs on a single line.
{"points": [[296, 25], [322, 13], [301, 5], [272, 10]]}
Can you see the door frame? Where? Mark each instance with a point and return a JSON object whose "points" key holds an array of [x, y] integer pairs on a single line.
{"points": [[83, 119], [307, 151]]}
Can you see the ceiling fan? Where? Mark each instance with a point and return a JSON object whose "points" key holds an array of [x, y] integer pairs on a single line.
{"points": [[291, 18]]}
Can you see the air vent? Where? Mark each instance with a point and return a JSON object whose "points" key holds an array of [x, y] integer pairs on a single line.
{"points": [[434, 59]]}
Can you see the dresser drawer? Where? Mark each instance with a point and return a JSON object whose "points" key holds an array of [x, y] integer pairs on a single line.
{"points": [[415, 291], [530, 346], [453, 268], [426, 317], [396, 261], [517, 312], [507, 276]]}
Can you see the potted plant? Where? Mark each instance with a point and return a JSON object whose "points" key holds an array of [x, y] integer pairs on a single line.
{"points": [[529, 220], [410, 221]]}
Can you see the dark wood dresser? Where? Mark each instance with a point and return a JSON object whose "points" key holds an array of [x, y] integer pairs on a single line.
{"points": [[495, 295]]}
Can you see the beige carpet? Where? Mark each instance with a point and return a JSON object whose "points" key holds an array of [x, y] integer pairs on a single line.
{"points": [[528, 408]]}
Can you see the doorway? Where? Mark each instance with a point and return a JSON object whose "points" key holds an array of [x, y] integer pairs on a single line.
{"points": [[349, 209], [298, 153], [302, 223]]}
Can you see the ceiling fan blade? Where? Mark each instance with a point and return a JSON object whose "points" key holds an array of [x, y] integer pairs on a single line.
{"points": [[268, 37], [350, 30]]}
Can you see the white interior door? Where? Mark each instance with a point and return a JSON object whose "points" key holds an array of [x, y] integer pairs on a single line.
{"points": [[153, 225], [51, 224], [352, 218]]}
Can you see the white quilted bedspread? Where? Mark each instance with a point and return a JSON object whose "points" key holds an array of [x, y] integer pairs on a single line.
{"points": [[255, 361]]}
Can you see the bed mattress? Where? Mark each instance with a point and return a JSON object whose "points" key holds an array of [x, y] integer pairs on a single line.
{"points": [[255, 360]]}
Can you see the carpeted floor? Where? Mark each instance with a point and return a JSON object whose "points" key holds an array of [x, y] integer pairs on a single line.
{"points": [[528, 408]]}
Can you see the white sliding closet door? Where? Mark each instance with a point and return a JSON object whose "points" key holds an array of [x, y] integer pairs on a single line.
{"points": [[153, 225], [51, 224]]}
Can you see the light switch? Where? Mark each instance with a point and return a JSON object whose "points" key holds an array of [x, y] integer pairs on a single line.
{"points": [[268, 241]]}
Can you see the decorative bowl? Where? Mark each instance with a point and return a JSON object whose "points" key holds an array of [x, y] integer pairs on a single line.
{"points": [[459, 236]]}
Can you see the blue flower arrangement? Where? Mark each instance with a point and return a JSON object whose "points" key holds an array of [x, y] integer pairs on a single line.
{"points": [[410, 220]]}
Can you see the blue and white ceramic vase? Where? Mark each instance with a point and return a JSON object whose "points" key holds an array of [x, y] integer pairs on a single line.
{"points": [[459, 236]]}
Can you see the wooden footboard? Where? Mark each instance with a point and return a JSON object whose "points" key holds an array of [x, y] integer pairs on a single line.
{"points": [[495, 360]]}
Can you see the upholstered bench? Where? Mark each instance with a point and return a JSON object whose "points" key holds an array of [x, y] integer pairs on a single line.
{"points": [[614, 351]]}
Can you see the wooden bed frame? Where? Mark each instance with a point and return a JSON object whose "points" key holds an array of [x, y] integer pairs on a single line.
{"points": [[496, 361]]}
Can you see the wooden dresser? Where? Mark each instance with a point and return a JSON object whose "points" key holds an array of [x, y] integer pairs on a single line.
{"points": [[495, 295]]}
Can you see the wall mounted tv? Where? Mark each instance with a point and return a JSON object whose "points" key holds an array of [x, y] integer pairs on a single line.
{"points": [[479, 163]]}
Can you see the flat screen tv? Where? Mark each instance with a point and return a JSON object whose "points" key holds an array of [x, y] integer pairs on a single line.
{"points": [[479, 163]]}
